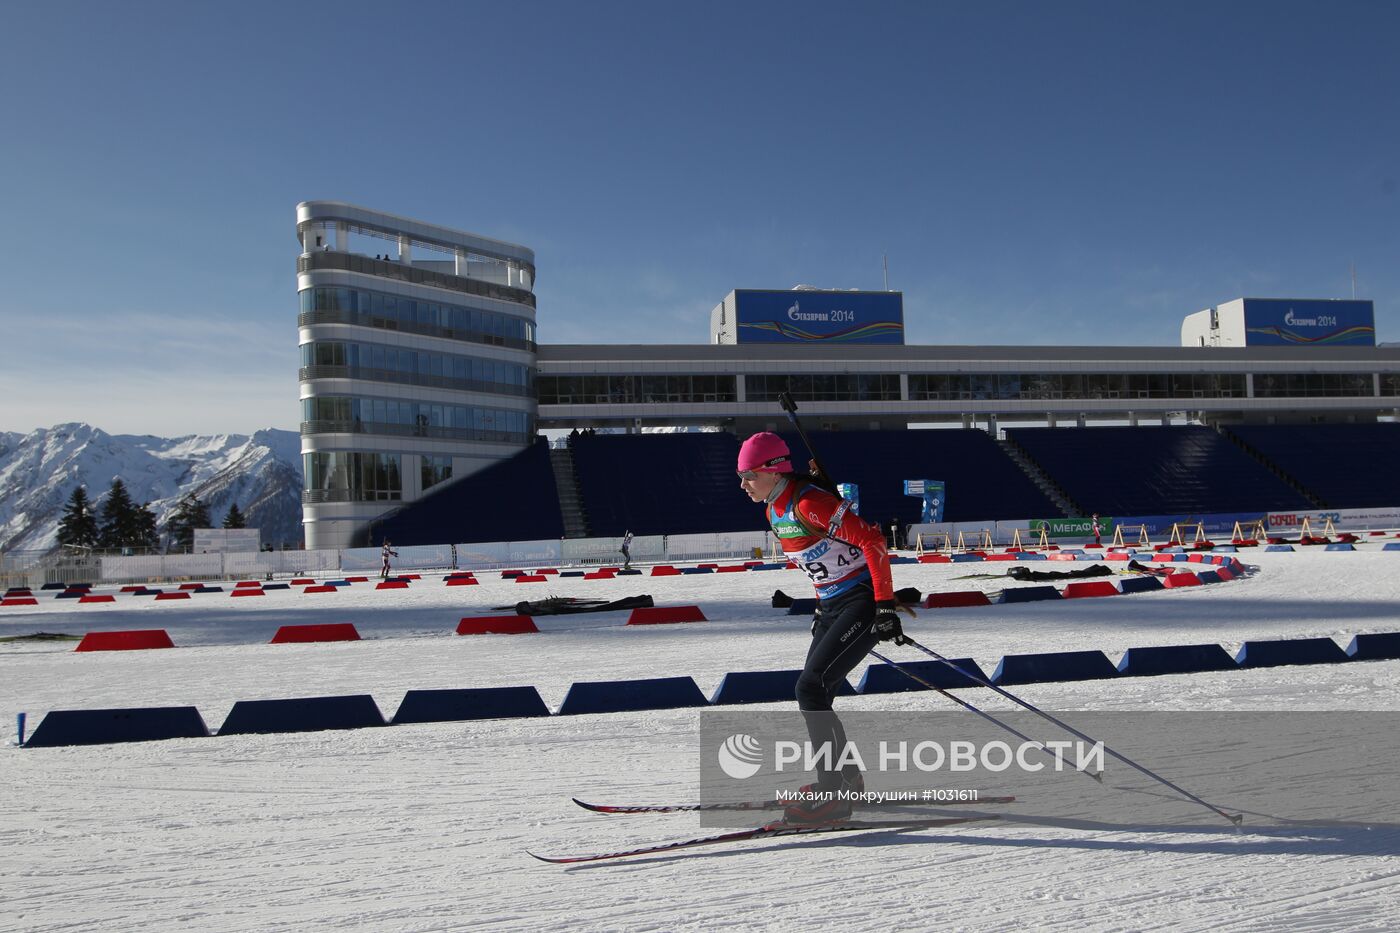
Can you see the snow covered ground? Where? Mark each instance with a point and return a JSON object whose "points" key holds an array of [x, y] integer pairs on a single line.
{"points": [[424, 827]]}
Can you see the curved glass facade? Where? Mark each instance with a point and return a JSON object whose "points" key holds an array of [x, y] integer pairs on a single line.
{"points": [[350, 476], [431, 318], [398, 417], [321, 358], [415, 371]]}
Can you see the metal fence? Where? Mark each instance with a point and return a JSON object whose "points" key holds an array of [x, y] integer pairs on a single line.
{"points": [[35, 568]]}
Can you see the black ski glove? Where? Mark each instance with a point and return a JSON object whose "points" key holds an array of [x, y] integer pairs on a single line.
{"points": [[886, 625]]}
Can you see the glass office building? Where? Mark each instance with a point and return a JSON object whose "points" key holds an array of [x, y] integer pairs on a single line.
{"points": [[417, 361]]}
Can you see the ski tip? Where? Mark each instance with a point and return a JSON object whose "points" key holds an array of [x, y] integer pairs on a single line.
{"points": [[549, 860], [588, 806]]}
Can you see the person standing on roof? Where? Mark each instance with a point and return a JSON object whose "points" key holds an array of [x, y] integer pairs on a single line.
{"points": [[846, 560]]}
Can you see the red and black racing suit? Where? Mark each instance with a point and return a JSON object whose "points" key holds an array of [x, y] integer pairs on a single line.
{"points": [[846, 560]]}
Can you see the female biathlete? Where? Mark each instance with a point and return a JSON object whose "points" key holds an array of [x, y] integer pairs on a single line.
{"points": [[846, 560]]}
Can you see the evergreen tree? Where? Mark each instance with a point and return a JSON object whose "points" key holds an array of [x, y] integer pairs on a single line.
{"points": [[147, 536], [234, 518], [118, 518], [190, 514], [78, 526]]}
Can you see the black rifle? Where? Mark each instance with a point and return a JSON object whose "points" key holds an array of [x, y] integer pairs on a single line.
{"points": [[823, 478]]}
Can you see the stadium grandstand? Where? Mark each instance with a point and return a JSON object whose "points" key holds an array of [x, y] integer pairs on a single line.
{"points": [[425, 393]]}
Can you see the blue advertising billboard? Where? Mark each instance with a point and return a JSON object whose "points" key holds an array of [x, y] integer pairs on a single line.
{"points": [[819, 317], [1271, 322]]}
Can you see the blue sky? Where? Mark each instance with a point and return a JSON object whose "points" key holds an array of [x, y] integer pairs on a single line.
{"points": [[1037, 173]]}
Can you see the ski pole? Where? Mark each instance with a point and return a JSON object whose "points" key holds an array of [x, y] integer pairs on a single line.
{"points": [[1236, 818], [972, 709]]}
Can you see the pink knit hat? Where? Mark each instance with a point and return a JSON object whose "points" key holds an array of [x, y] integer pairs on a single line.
{"points": [[765, 452]]}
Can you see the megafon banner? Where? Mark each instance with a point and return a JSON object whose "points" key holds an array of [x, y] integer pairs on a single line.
{"points": [[819, 317], [1270, 322]]}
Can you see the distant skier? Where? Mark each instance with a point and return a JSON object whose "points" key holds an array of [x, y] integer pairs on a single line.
{"points": [[626, 550], [385, 553], [846, 560], [1098, 531]]}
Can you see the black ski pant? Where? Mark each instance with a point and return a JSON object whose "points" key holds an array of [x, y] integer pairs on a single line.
{"points": [[840, 640]]}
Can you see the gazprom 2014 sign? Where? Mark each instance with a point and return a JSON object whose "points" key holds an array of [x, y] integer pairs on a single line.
{"points": [[819, 317], [1270, 322]]}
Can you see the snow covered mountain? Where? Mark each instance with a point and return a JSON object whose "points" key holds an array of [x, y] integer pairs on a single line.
{"points": [[39, 470]]}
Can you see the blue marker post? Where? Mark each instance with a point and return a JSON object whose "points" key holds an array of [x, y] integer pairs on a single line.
{"points": [[19, 726]]}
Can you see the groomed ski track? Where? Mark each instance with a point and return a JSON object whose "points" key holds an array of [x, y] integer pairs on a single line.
{"points": [[420, 828]]}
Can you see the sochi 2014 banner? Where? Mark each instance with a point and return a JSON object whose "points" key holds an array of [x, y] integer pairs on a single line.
{"points": [[819, 317], [1336, 323]]}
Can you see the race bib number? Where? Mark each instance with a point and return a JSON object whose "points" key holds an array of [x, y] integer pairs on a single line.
{"points": [[829, 561]]}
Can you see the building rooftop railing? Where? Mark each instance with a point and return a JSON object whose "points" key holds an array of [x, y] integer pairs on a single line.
{"points": [[330, 260]]}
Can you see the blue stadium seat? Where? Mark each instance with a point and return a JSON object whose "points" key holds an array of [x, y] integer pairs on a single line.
{"points": [[655, 484], [1346, 466], [1155, 470], [513, 500]]}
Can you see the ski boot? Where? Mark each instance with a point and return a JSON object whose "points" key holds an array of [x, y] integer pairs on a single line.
{"points": [[829, 807]]}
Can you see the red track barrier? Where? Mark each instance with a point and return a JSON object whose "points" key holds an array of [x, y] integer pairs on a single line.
{"points": [[19, 601], [326, 631], [531, 578], [1089, 588], [730, 569], [496, 625], [190, 586], [462, 581], [246, 592], [959, 598], [323, 588], [391, 585], [934, 559], [177, 594], [357, 579], [302, 581], [103, 598], [599, 575], [247, 584], [665, 615], [1181, 579], [125, 641], [665, 570]]}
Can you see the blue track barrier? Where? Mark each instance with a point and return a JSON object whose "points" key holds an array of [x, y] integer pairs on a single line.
{"points": [[887, 678], [104, 726], [617, 696], [762, 687], [1279, 547], [473, 703], [1208, 576], [1290, 651], [1028, 594], [309, 714], [1055, 667], [1340, 546], [1140, 584], [1384, 646], [1175, 659]]}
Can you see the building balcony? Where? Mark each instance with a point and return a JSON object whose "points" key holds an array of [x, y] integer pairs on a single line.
{"points": [[331, 261]]}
